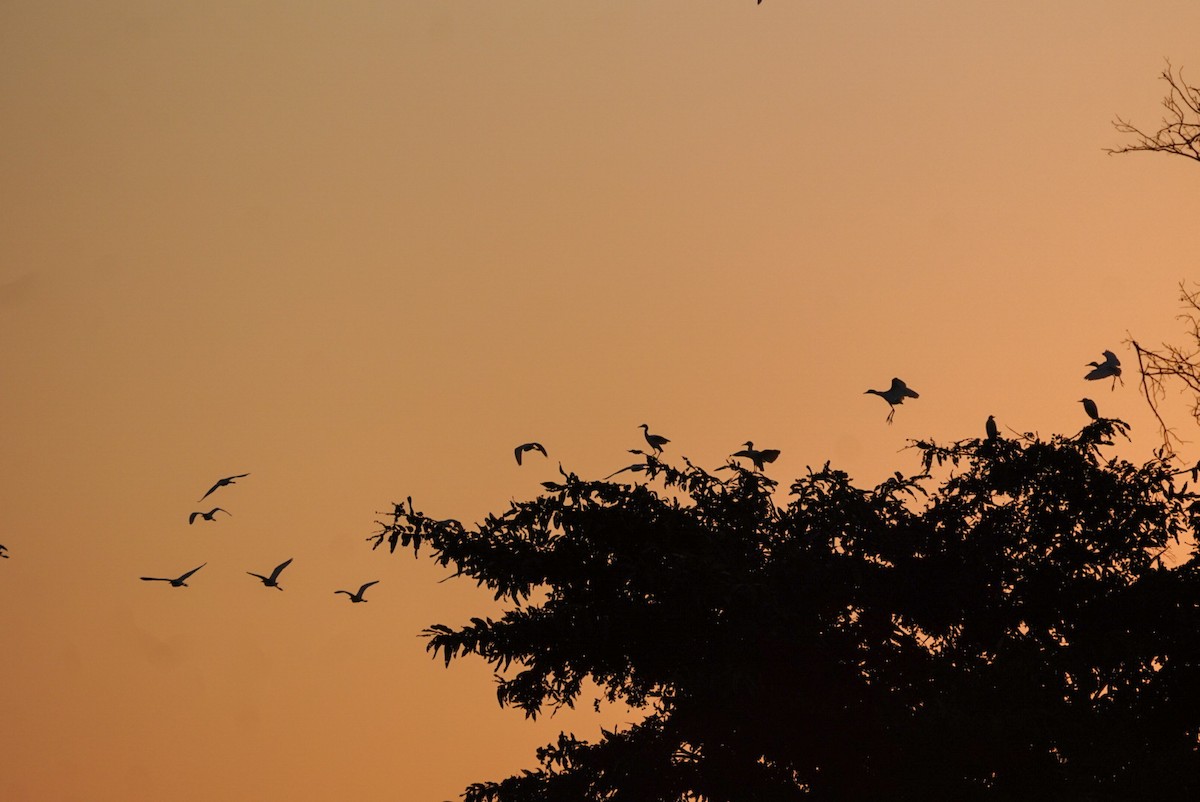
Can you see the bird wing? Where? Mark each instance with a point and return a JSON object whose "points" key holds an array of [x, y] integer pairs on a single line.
{"points": [[154, 579], [1101, 371], [769, 454], [517, 453], [279, 568], [743, 453], [364, 587], [211, 489], [231, 478], [192, 517], [215, 510], [539, 447], [1111, 359], [348, 593], [189, 573]]}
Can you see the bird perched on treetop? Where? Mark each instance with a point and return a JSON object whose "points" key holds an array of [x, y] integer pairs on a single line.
{"points": [[894, 395], [759, 458], [521, 449], [228, 480], [1111, 366], [208, 516], [993, 431], [656, 441], [1089, 406]]}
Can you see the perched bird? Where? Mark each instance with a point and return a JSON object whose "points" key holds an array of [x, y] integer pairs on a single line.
{"points": [[521, 449], [178, 582], [272, 581], [1089, 406], [759, 458], [894, 395], [357, 597], [656, 441], [1111, 366], [208, 516], [993, 431], [2, 550], [228, 480]]}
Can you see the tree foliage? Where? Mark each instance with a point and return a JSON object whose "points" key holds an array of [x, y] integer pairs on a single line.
{"points": [[1020, 620]]}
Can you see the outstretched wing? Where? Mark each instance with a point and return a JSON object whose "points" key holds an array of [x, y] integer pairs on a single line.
{"points": [[900, 388], [348, 593], [211, 489], [769, 454], [189, 573], [154, 579], [192, 517], [279, 568], [1111, 359], [364, 587], [517, 453]]}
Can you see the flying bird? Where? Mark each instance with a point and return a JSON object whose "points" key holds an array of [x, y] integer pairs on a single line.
{"points": [[228, 480], [656, 441], [2, 550], [357, 597], [993, 431], [894, 395], [272, 581], [1111, 366], [178, 582], [759, 458], [521, 449], [208, 516], [1089, 406]]}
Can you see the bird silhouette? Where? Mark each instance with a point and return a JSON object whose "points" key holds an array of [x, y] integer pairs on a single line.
{"points": [[2, 550], [228, 480], [177, 582], [894, 395], [1111, 366], [759, 458], [993, 431], [1089, 406], [357, 597], [656, 441], [208, 516], [272, 581], [521, 449]]}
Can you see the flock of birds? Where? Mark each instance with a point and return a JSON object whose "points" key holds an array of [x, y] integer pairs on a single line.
{"points": [[271, 580], [1109, 368]]}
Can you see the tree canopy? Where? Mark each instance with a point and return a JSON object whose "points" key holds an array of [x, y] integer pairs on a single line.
{"points": [[1019, 620]]}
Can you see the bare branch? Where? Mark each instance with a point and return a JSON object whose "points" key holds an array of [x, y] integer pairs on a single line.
{"points": [[1180, 131]]}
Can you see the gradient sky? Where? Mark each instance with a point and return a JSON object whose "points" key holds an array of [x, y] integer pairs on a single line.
{"points": [[363, 249]]}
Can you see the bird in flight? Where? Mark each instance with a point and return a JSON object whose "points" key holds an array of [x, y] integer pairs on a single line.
{"points": [[1089, 406], [656, 441], [756, 456], [2, 550], [272, 581], [208, 516], [895, 395], [177, 582], [228, 480], [521, 449], [357, 597], [993, 431], [1111, 366]]}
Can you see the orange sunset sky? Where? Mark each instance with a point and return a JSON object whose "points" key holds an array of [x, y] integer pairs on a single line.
{"points": [[363, 249]]}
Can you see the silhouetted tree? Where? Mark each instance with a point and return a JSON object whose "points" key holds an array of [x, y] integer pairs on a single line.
{"points": [[1019, 621], [1180, 131], [1173, 364]]}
